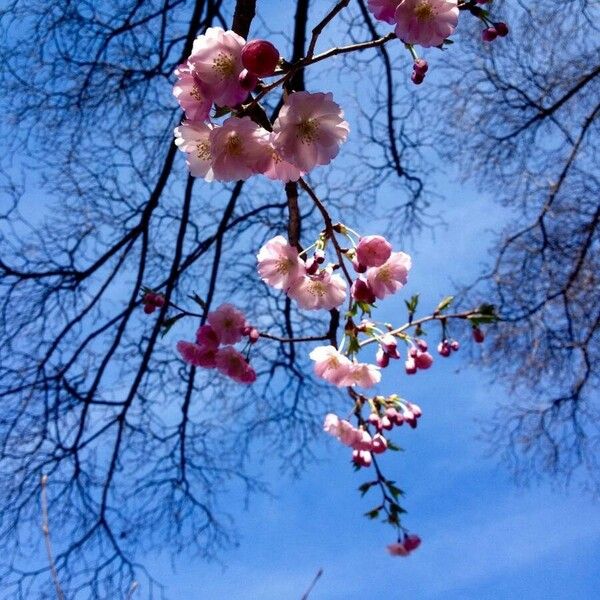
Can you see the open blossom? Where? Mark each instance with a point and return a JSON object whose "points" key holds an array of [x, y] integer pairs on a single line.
{"points": [[197, 354], [239, 149], [206, 336], [383, 9], [232, 363], [426, 22], [216, 60], [280, 169], [310, 129], [279, 264], [322, 290], [330, 364], [391, 276], [363, 375], [373, 250], [341, 429], [194, 140], [228, 323], [192, 94]]}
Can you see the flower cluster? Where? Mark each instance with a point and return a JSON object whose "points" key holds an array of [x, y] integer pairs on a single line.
{"points": [[336, 368], [406, 546], [213, 346], [418, 357], [312, 287], [151, 301], [423, 22], [222, 70]]}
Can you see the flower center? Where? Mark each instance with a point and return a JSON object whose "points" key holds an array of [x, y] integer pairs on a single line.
{"points": [[384, 274], [233, 146], [284, 266], [308, 130], [424, 11], [224, 64], [196, 94], [317, 288], [203, 150]]}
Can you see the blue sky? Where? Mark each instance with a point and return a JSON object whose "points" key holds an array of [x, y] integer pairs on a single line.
{"points": [[483, 538]]}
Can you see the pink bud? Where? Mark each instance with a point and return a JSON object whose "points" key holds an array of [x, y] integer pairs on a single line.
{"points": [[358, 267], [417, 77], [312, 266], [420, 66], [386, 423], [379, 444], [489, 34], [423, 360], [397, 549], [366, 458], [412, 352], [260, 57], [454, 345], [247, 80], [412, 542], [149, 308], [421, 345], [373, 250], [478, 335], [319, 256], [364, 440], [501, 29], [410, 418], [388, 342], [361, 291], [391, 414], [444, 348], [253, 336], [410, 366], [375, 421], [382, 358]]}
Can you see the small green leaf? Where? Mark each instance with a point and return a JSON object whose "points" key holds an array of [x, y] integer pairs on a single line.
{"points": [[365, 487], [445, 303], [372, 514], [197, 300], [168, 323], [393, 447]]}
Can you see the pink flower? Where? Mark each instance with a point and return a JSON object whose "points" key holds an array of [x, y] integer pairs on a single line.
{"points": [[279, 264], [330, 364], [361, 291], [362, 458], [373, 250], [216, 60], [426, 22], [383, 9], [332, 424], [363, 440], [323, 290], [310, 129], [228, 323], [379, 444], [348, 434], [192, 94], [232, 363], [197, 355], [194, 140], [363, 375], [412, 542], [206, 336], [239, 149], [391, 276], [397, 549], [423, 360], [280, 169]]}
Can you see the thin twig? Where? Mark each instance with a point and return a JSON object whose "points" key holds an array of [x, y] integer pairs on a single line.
{"points": [[312, 585], [46, 530]]}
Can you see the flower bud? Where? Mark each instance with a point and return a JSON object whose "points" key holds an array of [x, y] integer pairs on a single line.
{"points": [[319, 256], [386, 423], [478, 335], [253, 336], [382, 358], [501, 29], [422, 345], [312, 266], [410, 366], [412, 542], [247, 80], [260, 57], [420, 66], [423, 360], [444, 348], [375, 421], [417, 77], [358, 267], [379, 444], [361, 291], [489, 34]]}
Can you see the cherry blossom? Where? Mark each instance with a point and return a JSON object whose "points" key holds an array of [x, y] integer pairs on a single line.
{"points": [[426, 22], [216, 60], [260, 57], [228, 323], [279, 264], [310, 129], [206, 336], [323, 290], [280, 169], [192, 94], [362, 374], [383, 10], [391, 276], [239, 149], [232, 363], [194, 140], [197, 354], [330, 364]]}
